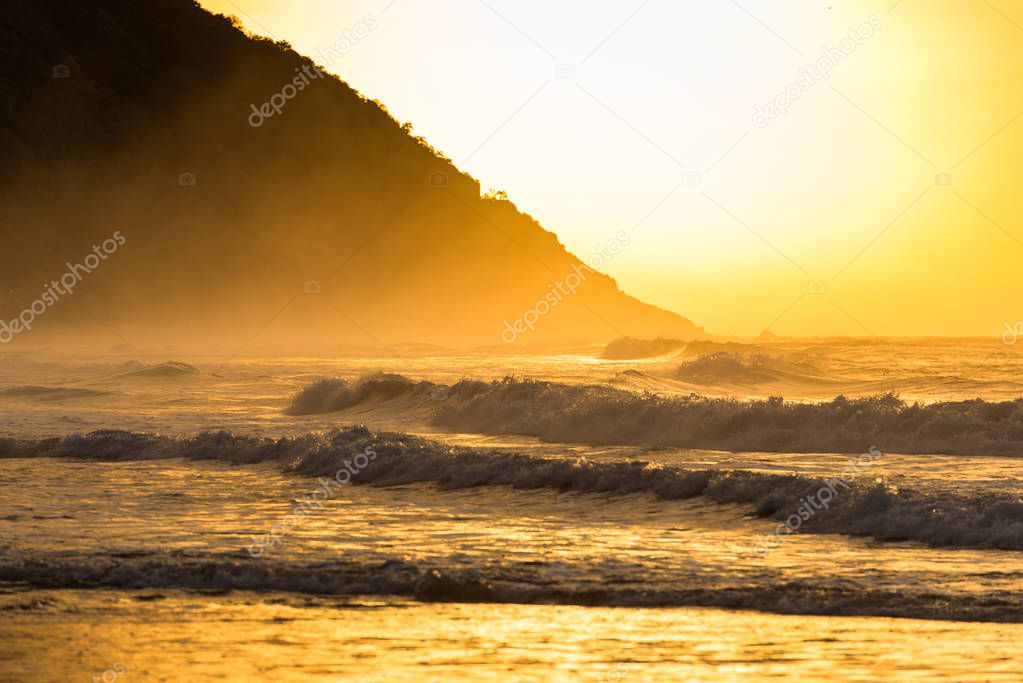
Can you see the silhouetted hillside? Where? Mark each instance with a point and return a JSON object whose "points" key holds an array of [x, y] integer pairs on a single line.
{"points": [[327, 224]]}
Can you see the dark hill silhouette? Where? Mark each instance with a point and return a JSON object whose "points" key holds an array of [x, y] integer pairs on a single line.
{"points": [[110, 109]]}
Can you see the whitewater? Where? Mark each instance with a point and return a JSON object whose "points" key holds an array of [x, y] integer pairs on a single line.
{"points": [[594, 514]]}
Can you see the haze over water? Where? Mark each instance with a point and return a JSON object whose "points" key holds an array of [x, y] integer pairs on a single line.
{"points": [[287, 393]]}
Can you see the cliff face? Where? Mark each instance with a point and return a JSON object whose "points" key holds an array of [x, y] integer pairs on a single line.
{"points": [[257, 197]]}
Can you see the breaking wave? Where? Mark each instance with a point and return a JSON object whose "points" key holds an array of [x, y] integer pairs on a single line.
{"points": [[332, 395], [874, 509], [508, 583], [697, 348], [731, 368], [604, 415]]}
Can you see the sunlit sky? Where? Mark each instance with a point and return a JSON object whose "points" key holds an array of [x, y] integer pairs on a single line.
{"points": [[594, 114]]}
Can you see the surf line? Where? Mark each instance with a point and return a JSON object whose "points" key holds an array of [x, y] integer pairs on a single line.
{"points": [[811, 505]]}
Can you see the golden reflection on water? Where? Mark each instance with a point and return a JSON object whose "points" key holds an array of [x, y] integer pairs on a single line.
{"points": [[582, 540], [174, 636], [585, 541]]}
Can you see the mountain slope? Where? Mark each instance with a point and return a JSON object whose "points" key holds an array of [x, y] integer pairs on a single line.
{"points": [[327, 223]]}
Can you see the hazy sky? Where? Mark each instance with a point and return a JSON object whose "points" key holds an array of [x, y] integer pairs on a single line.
{"points": [[597, 116]]}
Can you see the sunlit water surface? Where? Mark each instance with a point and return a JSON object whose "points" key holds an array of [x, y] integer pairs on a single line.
{"points": [[148, 563]]}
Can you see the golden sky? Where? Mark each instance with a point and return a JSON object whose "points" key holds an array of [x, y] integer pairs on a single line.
{"points": [[883, 201]]}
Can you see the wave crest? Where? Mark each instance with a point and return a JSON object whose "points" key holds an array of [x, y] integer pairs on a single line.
{"points": [[333, 394], [509, 583], [604, 415], [169, 370], [732, 368], [963, 520]]}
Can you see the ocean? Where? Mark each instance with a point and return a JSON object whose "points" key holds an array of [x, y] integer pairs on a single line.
{"points": [[552, 517]]}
